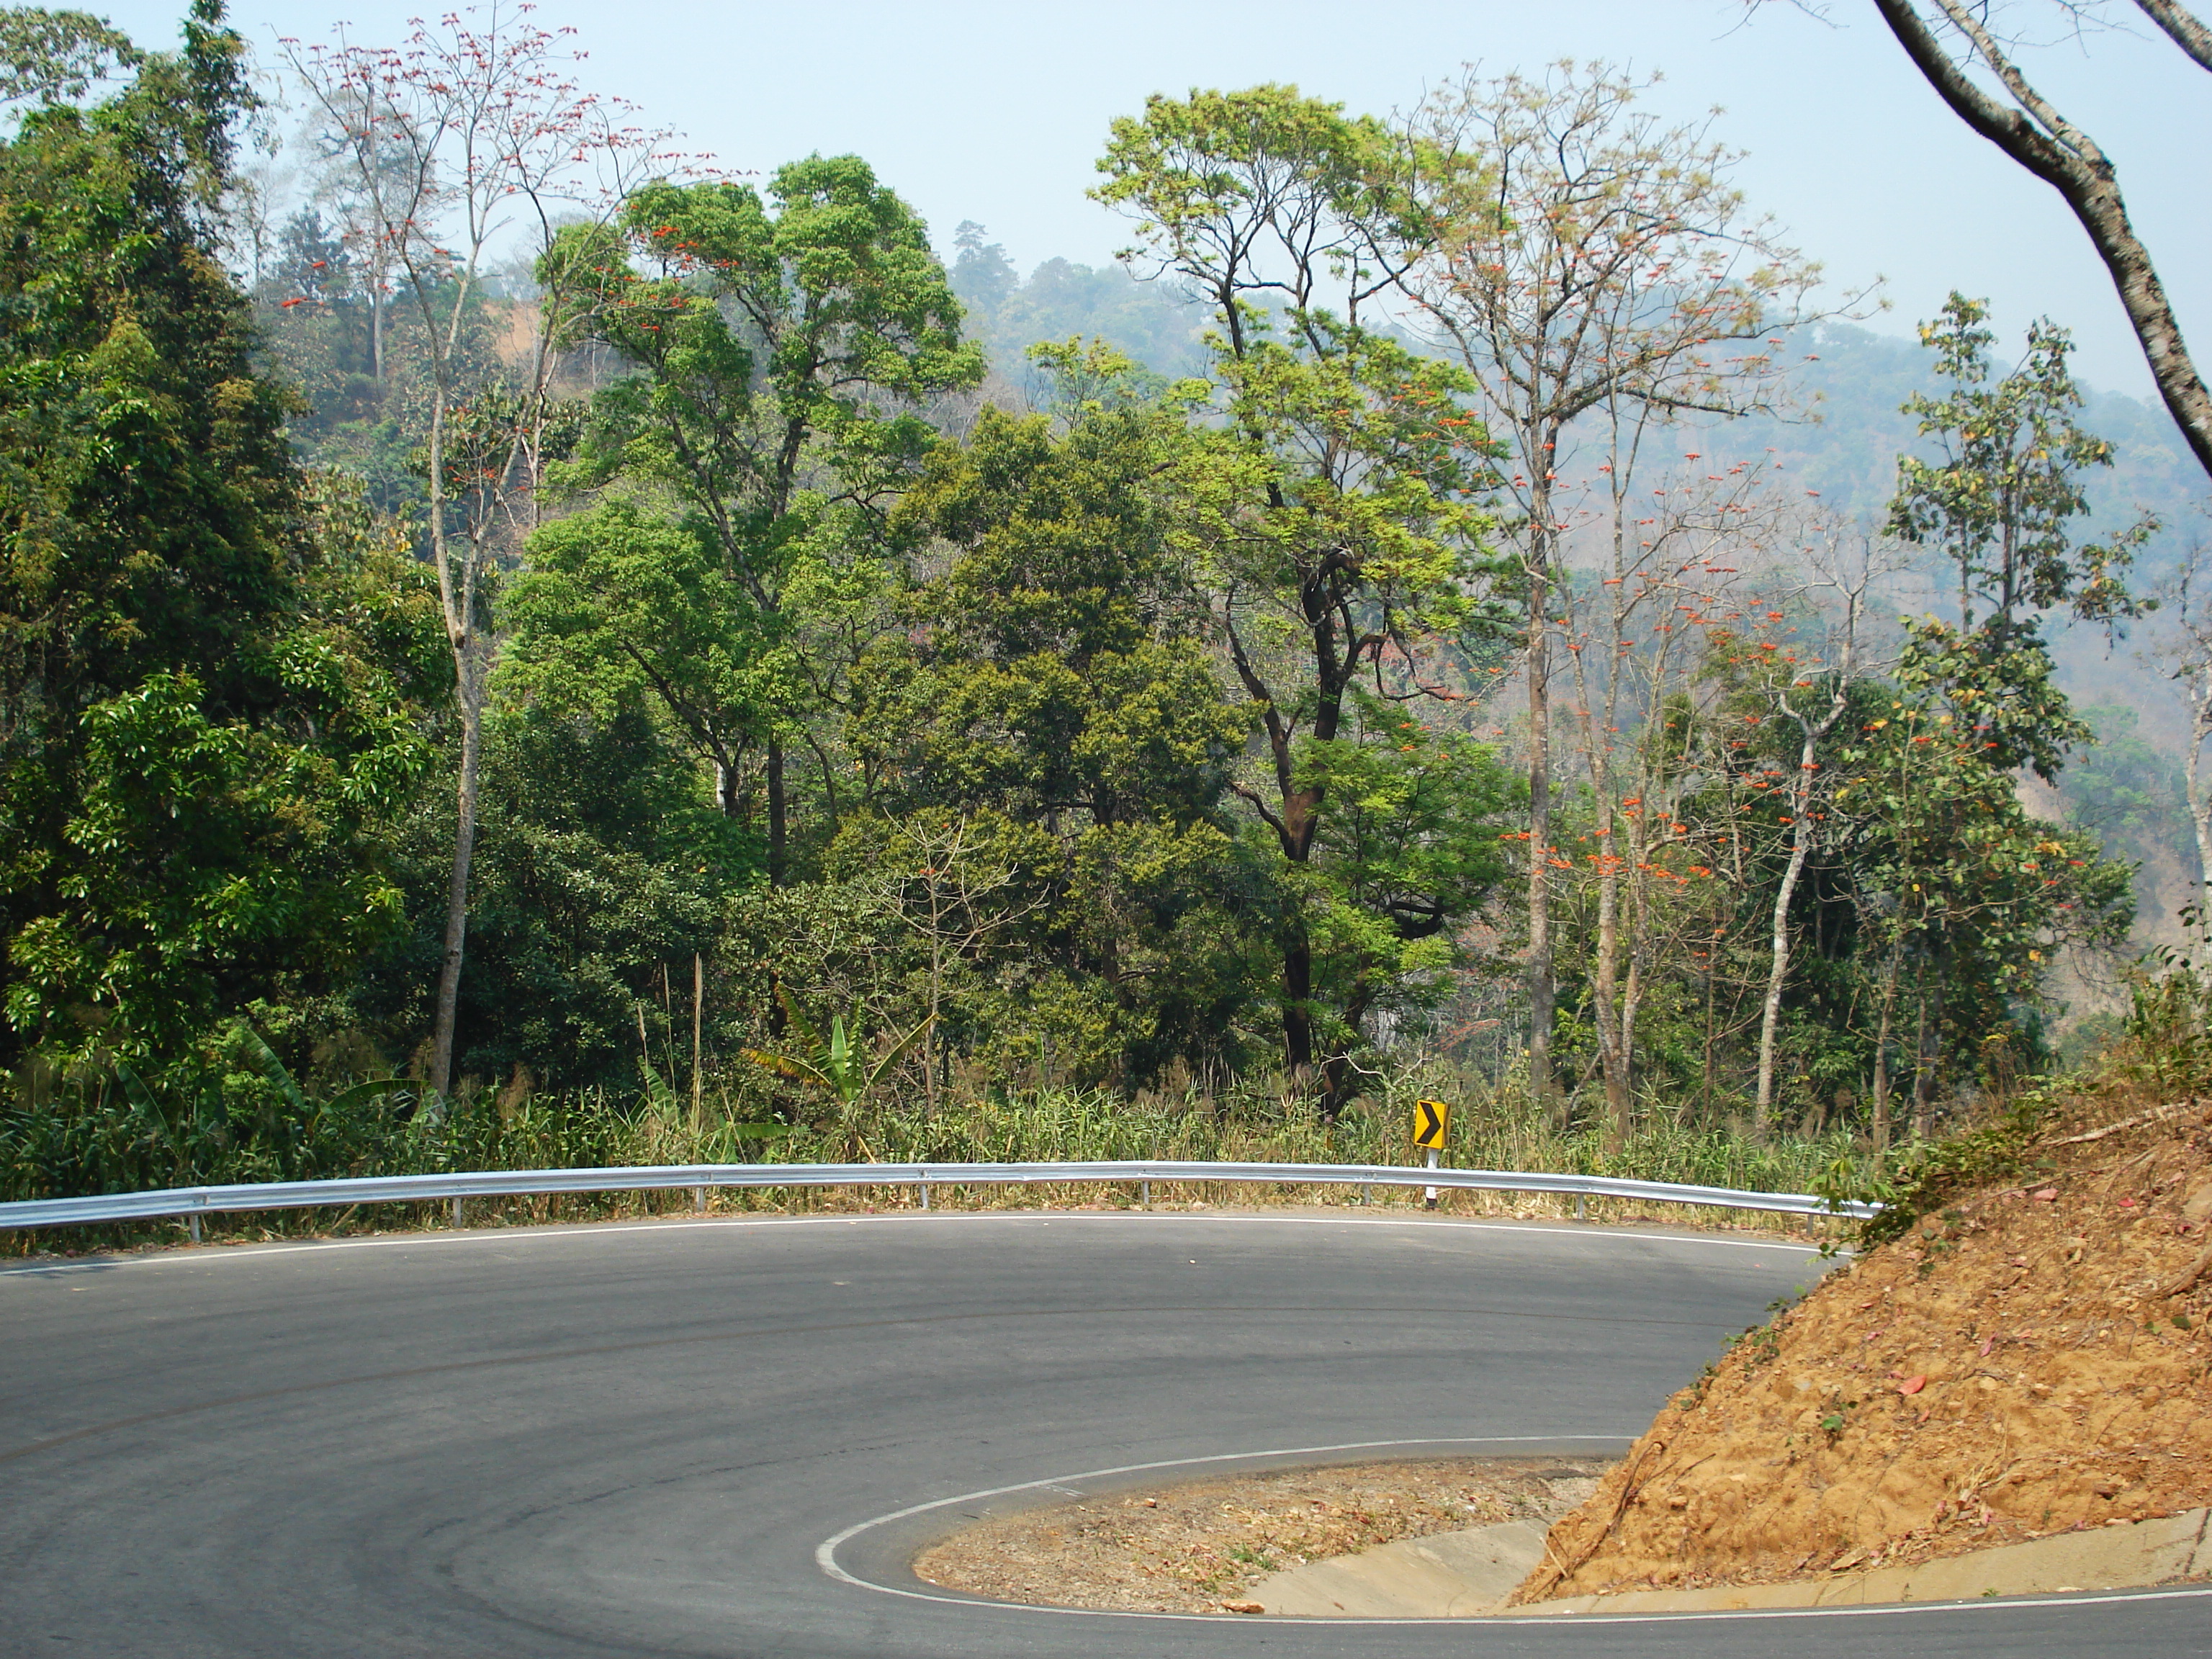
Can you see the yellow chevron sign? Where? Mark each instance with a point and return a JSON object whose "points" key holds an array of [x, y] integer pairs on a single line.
{"points": [[1429, 1119]]}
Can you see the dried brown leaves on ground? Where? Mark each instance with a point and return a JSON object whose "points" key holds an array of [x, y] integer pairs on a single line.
{"points": [[2031, 1360], [1192, 1548]]}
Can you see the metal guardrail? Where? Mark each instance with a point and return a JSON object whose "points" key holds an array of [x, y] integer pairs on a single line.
{"points": [[195, 1201]]}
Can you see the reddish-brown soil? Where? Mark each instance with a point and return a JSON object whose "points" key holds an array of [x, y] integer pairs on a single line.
{"points": [[2030, 1359]]}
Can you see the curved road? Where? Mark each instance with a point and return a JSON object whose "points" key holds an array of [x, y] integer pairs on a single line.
{"points": [[724, 1438]]}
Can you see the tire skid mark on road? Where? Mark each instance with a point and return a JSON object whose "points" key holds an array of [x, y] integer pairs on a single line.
{"points": [[748, 1334]]}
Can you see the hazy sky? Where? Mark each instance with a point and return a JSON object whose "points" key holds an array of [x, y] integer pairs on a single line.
{"points": [[994, 111]]}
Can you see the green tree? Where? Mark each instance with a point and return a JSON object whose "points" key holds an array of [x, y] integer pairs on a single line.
{"points": [[1973, 893], [1412, 844], [1053, 751], [1997, 500], [1335, 508], [781, 354], [2129, 793], [1966, 897], [603, 873], [205, 735], [622, 605]]}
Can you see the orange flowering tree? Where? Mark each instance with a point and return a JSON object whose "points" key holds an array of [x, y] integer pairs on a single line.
{"points": [[471, 134]]}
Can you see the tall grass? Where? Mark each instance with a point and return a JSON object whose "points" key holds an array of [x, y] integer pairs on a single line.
{"points": [[123, 1146]]}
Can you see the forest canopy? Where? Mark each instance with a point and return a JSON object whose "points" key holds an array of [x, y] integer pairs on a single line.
{"points": [[588, 624]]}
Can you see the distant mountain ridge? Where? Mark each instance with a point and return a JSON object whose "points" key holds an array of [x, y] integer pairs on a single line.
{"points": [[1843, 441]]}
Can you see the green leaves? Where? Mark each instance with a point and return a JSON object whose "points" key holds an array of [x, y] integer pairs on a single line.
{"points": [[1997, 500], [833, 1062], [1334, 518], [1261, 190], [2002, 705], [1409, 843], [832, 275], [623, 607], [213, 853], [779, 355], [211, 734], [54, 56]]}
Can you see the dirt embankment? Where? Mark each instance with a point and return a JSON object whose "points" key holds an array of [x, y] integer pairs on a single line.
{"points": [[2031, 1360]]}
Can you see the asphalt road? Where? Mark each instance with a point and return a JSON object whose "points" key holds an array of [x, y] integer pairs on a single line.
{"points": [[726, 1437]]}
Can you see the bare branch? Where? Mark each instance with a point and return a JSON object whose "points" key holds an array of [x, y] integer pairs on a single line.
{"points": [[2036, 134], [2184, 28]]}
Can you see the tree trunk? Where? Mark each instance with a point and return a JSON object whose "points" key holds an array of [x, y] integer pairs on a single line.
{"points": [[1605, 988], [1298, 1010], [778, 872], [1337, 1088], [1624, 1122], [474, 675], [2200, 808], [1800, 844], [1640, 952], [1931, 1037], [456, 603], [1543, 990], [936, 992], [1881, 1036], [1801, 847], [1712, 992]]}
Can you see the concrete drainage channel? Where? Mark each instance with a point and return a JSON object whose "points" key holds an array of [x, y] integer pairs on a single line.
{"points": [[1470, 1574], [1467, 1573], [882, 1553]]}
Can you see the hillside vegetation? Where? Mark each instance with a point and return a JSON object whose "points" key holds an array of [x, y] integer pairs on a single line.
{"points": [[526, 648]]}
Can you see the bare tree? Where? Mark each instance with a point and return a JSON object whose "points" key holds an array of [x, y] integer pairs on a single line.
{"points": [[948, 888], [1845, 564], [1588, 255], [470, 135]]}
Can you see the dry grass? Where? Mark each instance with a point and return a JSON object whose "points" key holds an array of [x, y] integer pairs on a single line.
{"points": [[1194, 1547]]}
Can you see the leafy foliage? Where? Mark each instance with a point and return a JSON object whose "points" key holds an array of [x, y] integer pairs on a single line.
{"points": [[833, 1062], [196, 767], [1138, 742]]}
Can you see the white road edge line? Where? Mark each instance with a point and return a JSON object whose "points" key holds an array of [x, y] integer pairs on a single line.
{"points": [[631, 1229], [826, 1552], [825, 1557]]}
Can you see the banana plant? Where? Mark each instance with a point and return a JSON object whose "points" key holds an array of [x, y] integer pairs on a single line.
{"points": [[832, 1062], [312, 1114]]}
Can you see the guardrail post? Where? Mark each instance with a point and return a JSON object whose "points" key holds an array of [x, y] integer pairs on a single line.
{"points": [[925, 1194], [699, 1200], [1582, 1206], [1366, 1192], [456, 1210], [193, 1226], [1145, 1194]]}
